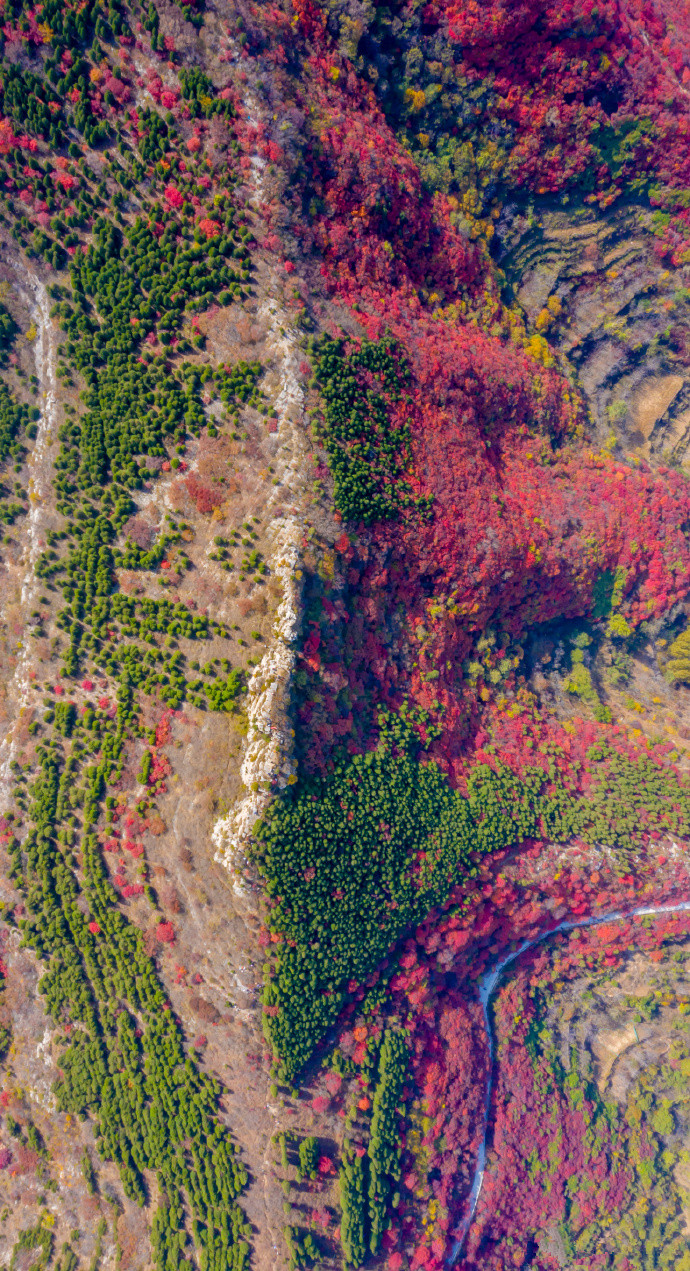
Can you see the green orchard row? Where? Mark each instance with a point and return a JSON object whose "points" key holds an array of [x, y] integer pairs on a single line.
{"points": [[123, 1060], [368, 1182]]}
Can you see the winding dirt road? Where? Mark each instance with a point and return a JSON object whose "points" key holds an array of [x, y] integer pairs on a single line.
{"points": [[487, 988]]}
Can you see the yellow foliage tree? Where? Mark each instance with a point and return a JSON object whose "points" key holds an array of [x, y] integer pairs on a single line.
{"points": [[678, 666]]}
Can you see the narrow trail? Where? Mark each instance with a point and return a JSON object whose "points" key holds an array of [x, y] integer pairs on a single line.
{"points": [[487, 987], [39, 486]]}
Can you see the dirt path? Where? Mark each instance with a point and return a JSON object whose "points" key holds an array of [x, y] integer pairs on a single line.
{"points": [[21, 692]]}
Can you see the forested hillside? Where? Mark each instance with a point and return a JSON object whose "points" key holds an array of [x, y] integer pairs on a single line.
{"points": [[344, 643]]}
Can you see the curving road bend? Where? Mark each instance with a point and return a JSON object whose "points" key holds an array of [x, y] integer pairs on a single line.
{"points": [[487, 987]]}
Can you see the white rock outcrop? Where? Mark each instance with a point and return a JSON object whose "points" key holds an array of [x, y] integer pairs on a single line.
{"points": [[268, 764]]}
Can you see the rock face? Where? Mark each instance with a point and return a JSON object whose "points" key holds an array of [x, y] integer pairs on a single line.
{"points": [[268, 764]]}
